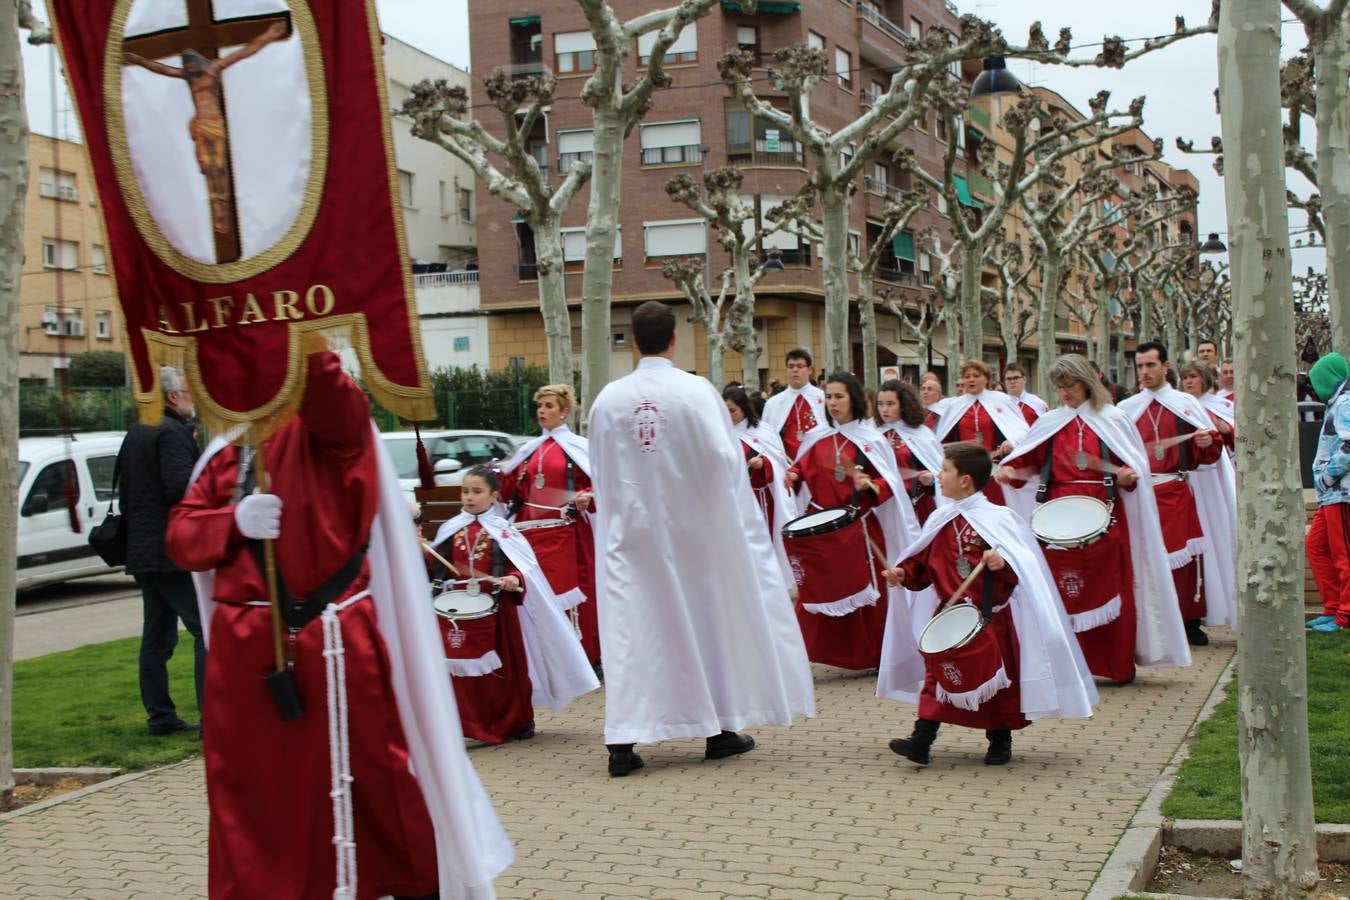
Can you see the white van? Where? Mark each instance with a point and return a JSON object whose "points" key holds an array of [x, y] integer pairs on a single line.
{"points": [[49, 549]]}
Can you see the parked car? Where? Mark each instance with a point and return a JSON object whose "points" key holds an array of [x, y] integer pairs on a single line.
{"points": [[452, 453], [49, 549]]}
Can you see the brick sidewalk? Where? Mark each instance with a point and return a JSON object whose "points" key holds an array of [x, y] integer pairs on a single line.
{"points": [[821, 810]]}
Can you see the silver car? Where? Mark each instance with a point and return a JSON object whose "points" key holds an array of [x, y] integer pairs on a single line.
{"points": [[452, 453]]}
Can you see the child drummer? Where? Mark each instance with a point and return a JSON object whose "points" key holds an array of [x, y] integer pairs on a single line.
{"points": [[1033, 667]]}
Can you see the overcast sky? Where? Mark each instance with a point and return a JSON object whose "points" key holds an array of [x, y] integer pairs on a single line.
{"points": [[1178, 81]]}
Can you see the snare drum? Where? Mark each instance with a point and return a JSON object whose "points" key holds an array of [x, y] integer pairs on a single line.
{"points": [[963, 657], [830, 560], [460, 606], [555, 546], [1071, 522]]}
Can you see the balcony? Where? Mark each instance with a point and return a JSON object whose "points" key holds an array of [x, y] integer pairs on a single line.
{"points": [[444, 279], [567, 160], [881, 42], [881, 188], [525, 69], [786, 154]]}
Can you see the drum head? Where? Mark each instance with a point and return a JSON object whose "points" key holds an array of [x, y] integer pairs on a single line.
{"points": [[949, 628], [540, 523], [463, 605], [817, 522], [1070, 519]]}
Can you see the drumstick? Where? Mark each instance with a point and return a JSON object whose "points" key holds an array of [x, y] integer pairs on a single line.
{"points": [[454, 570], [1177, 439], [965, 586]]}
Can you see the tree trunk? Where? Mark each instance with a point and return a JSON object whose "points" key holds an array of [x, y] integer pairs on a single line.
{"points": [[834, 222], [972, 311], [1278, 841], [602, 230], [1144, 329], [14, 183], [553, 297], [1052, 269], [1101, 354], [867, 325], [1120, 355], [741, 322], [1331, 51], [717, 357]]}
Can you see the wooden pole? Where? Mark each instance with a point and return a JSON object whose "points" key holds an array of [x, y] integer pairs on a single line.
{"points": [[270, 566]]}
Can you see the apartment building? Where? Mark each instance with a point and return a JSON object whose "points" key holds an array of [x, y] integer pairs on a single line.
{"points": [[695, 126]]}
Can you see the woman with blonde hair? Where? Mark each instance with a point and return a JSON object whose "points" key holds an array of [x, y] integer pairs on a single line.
{"points": [[547, 486], [1117, 587]]}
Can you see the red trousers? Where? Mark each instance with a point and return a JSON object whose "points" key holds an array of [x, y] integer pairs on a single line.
{"points": [[1328, 548]]}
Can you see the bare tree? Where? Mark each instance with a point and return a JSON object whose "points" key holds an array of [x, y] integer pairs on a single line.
{"points": [[440, 115], [1312, 325], [615, 109], [1012, 304], [1279, 851], [895, 217], [728, 320]]}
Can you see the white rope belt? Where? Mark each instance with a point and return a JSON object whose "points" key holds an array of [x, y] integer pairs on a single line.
{"points": [[1168, 477], [556, 509], [339, 748]]}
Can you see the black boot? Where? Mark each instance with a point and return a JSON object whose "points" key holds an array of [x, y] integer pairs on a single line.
{"points": [[525, 733], [1195, 636], [622, 760], [915, 747], [1000, 748], [728, 743]]}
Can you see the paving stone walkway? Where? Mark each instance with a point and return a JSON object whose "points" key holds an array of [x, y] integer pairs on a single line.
{"points": [[820, 810]]}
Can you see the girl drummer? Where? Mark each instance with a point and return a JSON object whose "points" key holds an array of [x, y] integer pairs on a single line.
{"points": [[982, 416], [549, 479], [849, 464], [766, 463], [918, 455]]}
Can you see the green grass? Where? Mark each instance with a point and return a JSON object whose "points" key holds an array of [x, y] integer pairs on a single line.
{"points": [[1208, 786], [83, 708]]}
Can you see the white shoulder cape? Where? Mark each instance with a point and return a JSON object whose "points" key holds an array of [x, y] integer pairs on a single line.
{"points": [[925, 446], [1160, 635], [999, 406], [777, 408], [785, 506], [559, 670], [1038, 406], [574, 445]]}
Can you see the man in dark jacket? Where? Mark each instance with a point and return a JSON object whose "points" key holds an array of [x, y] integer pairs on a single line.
{"points": [[156, 464]]}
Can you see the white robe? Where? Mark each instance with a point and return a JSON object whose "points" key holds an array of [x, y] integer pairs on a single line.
{"points": [[696, 634], [925, 447], [1001, 408], [1160, 635], [1053, 677], [1027, 398], [558, 668], [1215, 488], [785, 506], [778, 408], [471, 847]]}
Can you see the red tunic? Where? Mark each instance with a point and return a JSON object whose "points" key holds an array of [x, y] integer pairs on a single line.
{"points": [[978, 427], [1091, 576], [800, 420], [1027, 412], [926, 501], [1176, 503], [761, 480], [496, 706], [271, 817], [520, 484], [852, 641], [936, 565]]}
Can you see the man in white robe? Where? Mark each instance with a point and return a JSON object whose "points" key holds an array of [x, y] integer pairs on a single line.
{"points": [[797, 411], [699, 640]]}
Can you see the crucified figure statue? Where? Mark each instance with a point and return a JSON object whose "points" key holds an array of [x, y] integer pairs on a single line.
{"points": [[207, 126]]}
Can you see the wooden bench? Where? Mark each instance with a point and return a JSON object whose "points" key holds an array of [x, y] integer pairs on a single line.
{"points": [[439, 505]]}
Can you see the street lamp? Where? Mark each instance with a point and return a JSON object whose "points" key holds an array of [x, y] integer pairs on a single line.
{"points": [[1213, 245], [995, 80], [774, 263]]}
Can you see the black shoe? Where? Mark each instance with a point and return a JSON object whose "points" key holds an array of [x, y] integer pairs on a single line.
{"points": [[174, 727], [622, 761], [599, 671], [1000, 748], [525, 733], [915, 751], [1196, 636], [728, 743]]}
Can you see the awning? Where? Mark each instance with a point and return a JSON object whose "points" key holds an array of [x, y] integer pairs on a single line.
{"points": [[903, 245], [766, 6], [963, 193], [524, 20], [904, 353]]}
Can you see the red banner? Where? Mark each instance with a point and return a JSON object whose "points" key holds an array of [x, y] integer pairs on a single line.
{"points": [[245, 169]]}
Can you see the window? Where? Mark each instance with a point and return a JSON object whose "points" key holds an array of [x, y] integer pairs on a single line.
{"points": [[59, 254], [101, 474], [758, 142], [683, 50], [915, 28], [67, 322], [527, 46], [465, 205], [940, 127], [527, 268], [874, 92], [815, 41], [103, 325], [747, 40], [619, 340], [925, 268], [669, 143], [57, 184], [574, 52], [789, 248], [48, 492], [405, 188], [846, 155], [574, 147], [681, 237], [462, 344], [880, 177], [443, 194], [98, 260], [843, 67], [574, 248]]}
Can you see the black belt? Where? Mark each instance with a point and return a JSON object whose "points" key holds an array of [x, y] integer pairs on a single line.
{"points": [[299, 613]]}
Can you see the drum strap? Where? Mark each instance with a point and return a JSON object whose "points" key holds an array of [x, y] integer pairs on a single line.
{"points": [[1108, 480], [1184, 448], [987, 596]]}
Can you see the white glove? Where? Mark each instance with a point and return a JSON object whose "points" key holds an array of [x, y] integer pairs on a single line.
{"points": [[259, 516]]}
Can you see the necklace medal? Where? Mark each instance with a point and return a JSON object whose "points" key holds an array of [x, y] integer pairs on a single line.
{"points": [[800, 435], [840, 474], [963, 567], [539, 479], [979, 437], [1158, 452], [1082, 460]]}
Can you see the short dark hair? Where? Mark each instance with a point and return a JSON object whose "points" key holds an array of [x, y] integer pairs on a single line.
{"points": [[653, 327], [1205, 341], [912, 412], [736, 393], [799, 353], [1014, 367], [489, 476], [1147, 346], [970, 458], [857, 401]]}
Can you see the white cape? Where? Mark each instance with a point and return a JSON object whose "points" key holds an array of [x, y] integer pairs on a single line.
{"points": [[696, 634], [559, 670], [778, 407], [926, 448], [1038, 406], [1004, 410], [785, 506], [1160, 635], [574, 445], [1215, 489], [1054, 679], [471, 847]]}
